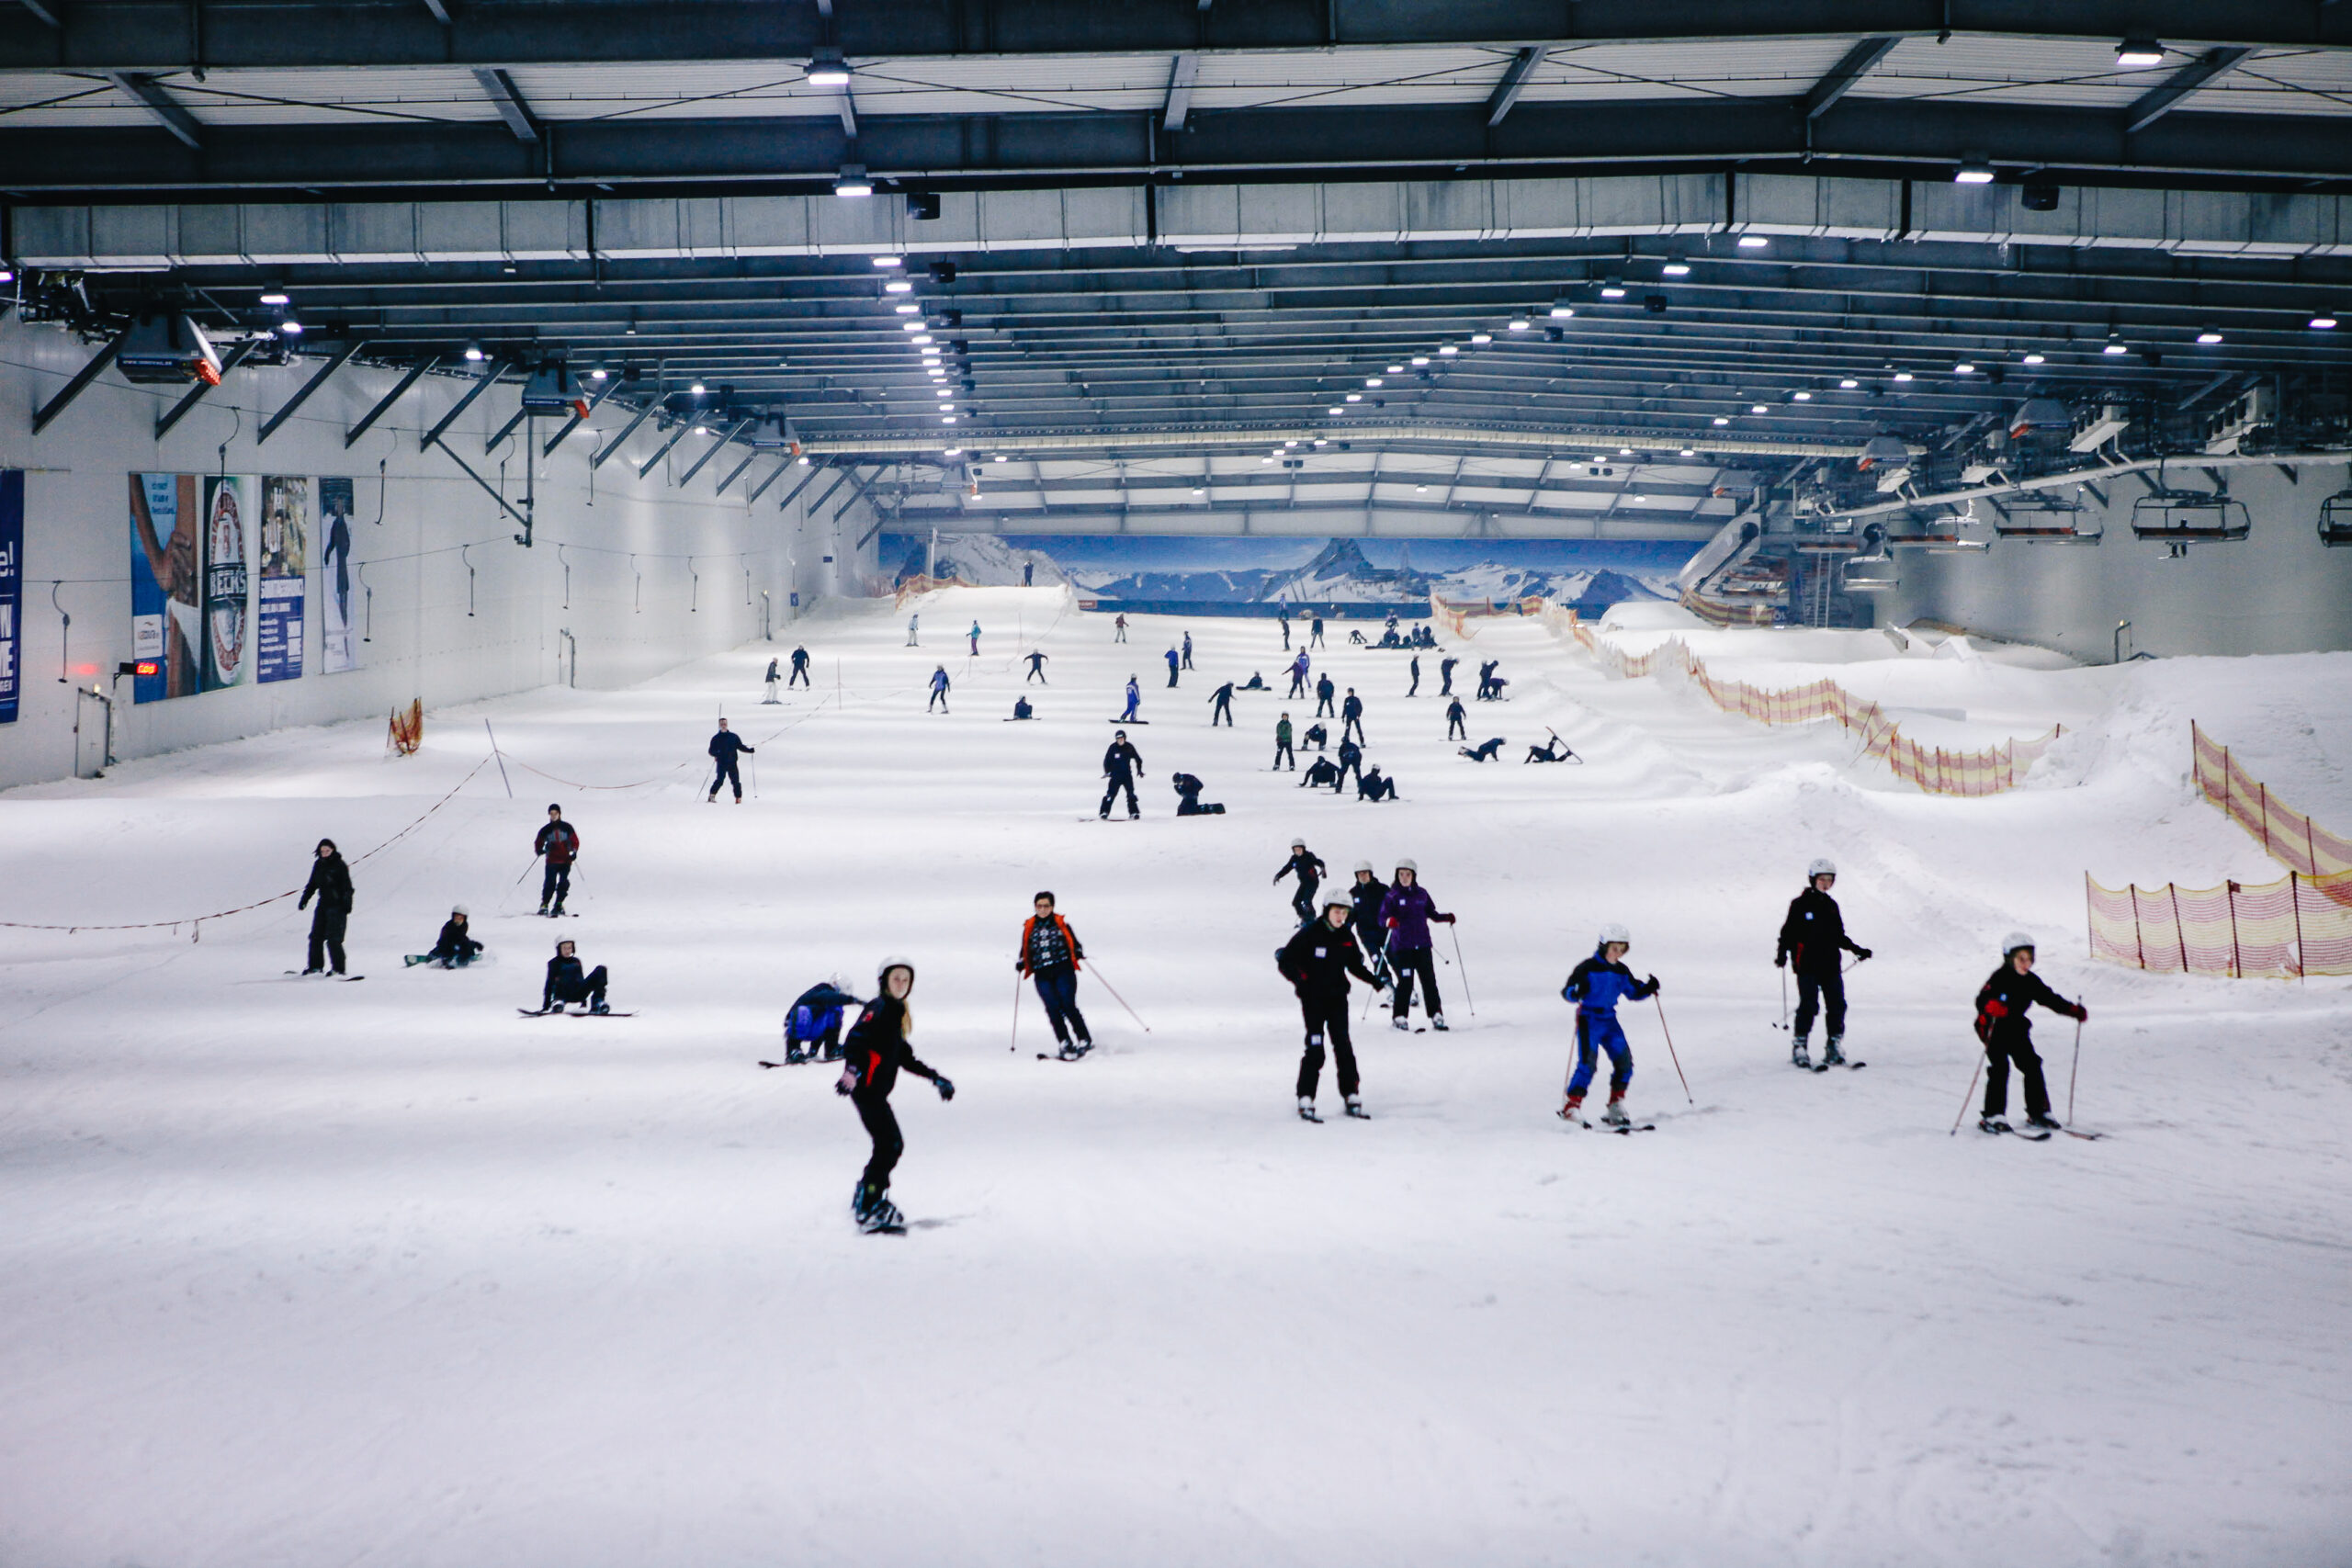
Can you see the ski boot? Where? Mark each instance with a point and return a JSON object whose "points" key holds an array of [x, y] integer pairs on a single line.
{"points": [[861, 1199], [1573, 1111], [1401, 1025], [882, 1217], [794, 1056], [1437, 1022], [1993, 1125], [1800, 1055], [2043, 1121], [1356, 1110], [1831, 1057], [832, 1054], [1071, 1052], [1307, 1111], [1614, 1113], [543, 909], [599, 1006]]}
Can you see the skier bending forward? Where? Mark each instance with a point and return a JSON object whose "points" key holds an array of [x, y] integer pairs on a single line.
{"points": [[1316, 962], [1596, 987], [2001, 1023], [875, 1051]]}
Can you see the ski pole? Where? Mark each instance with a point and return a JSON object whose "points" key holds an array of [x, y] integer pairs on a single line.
{"points": [[1670, 1052], [1456, 932], [1118, 998], [527, 869], [1969, 1096], [755, 775], [1014, 1043], [1783, 1024], [2071, 1071]]}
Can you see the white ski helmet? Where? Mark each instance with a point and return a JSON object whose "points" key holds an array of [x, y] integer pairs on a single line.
{"points": [[1821, 868], [460, 909], [1365, 865], [1299, 843], [2016, 940], [1613, 932], [838, 981], [1412, 865], [1338, 901], [882, 970]]}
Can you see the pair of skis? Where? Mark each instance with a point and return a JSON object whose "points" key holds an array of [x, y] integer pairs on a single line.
{"points": [[583, 1012]]}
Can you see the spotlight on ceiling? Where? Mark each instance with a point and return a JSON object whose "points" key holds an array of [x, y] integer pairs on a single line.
{"points": [[1561, 309], [1675, 267], [2031, 359], [853, 183], [2138, 54], [273, 299], [1972, 172], [2210, 334], [1849, 384], [826, 69], [1753, 242], [2322, 322], [887, 261]]}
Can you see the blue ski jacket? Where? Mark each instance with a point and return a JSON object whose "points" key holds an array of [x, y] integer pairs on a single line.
{"points": [[1597, 986]]}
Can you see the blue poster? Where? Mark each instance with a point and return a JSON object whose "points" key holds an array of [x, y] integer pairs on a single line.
{"points": [[285, 557], [166, 590], [12, 588]]}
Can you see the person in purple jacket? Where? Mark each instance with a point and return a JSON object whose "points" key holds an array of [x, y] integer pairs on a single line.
{"points": [[1406, 914]]}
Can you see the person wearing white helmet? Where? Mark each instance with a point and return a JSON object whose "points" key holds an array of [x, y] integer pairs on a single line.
{"points": [[1813, 942], [454, 949], [873, 1056], [1406, 914], [1370, 936], [2002, 1025], [1596, 987], [812, 1029], [1308, 867], [1317, 961], [568, 982]]}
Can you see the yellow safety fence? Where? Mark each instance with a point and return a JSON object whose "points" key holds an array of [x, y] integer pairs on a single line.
{"points": [[1459, 612]]}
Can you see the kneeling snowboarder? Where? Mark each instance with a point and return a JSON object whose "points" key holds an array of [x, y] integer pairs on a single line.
{"points": [[454, 949], [876, 1052], [1188, 798]]}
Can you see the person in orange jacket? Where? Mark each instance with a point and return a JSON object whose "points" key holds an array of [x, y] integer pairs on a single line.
{"points": [[1049, 955]]}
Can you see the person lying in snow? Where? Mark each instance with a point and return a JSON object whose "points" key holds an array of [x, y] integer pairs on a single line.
{"points": [[1484, 753]]}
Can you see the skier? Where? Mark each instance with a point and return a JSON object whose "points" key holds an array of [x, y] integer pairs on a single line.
{"points": [[875, 1054], [1315, 633], [1316, 737], [812, 1029], [1188, 650], [1405, 915], [1285, 631], [565, 983], [1049, 956], [1221, 702], [1552, 751], [910, 629], [1351, 761], [1188, 797], [2008, 1034], [1298, 667], [1119, 765], [1317, 961], [1135, 702], [774, 675], [1020, 708], [1119, 628], [1318, 772], [1172, 657], [1351, 716], [976, 640], [1596, 987], [1283, 751], [1457, 726], [1486, 750], [1310, 871], [1371, 785], [1036, 670], [331, 885], [1028, 574], [1365, 895], [453, 949], [1445, 675], [1324, 692], [1415, 689], [800, 667], [938, 691], [558, 841], [1813, 935], [724, 749]]}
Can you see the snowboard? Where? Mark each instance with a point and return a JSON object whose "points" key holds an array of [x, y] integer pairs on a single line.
{"points": [[1825, 1066], [567, 1012], [306, 974]]}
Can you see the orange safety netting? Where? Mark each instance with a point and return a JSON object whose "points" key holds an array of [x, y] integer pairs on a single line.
{"points": [[1932, 768], [921, 584], [407, 731], [1459, 612], [2302, 925], [2287, 836], [1715, 613]]}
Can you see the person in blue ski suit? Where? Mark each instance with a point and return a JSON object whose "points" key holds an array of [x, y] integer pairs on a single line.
{"points": [[1596, 987], [938, 691], [1135, 702], [812, 1029], [1172, 657], [1298, 667]]}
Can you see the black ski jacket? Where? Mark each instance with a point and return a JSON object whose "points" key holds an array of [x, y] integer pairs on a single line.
{"points": [[1366, 897], [2000, 1007], [1121, 761], [726, 743], [453, 943], [1308, 868], [876, 1049], [1319, 960], [1222, 695], [1353, 707], [330, 884], [800, 659], [560, 842], [564, 975], [1814, 934]]}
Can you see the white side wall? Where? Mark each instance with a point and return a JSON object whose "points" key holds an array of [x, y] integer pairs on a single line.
{"points": [[2280, 591], [631, 619]]}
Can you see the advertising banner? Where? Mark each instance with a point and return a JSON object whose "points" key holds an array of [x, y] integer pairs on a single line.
{"points": [[12, 590], [166, 592], [227, 594], [338, 645], [284, 566]]}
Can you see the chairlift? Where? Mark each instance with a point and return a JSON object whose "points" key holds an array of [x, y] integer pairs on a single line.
{"points": [[2335, 519], [2046, 517], [2171, 516], [1872, 572]]}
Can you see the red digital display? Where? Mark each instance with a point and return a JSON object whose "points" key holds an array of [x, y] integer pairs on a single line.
{"points": [[149, 666]]}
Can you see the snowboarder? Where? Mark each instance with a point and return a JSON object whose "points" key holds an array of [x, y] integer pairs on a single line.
{"points": [[1310, 871], [1366, 897], [1283, 751], [1552, 751], [1324, 692], [1445, 675], [1221, 702], [1119, 628], [330, 884], [1415, 689], [1298, 667], [1458, 727], [2008, 1034], [1188, 797], [938, 691], [1135, 702], [1316, 737], [800, 667], [976, 640], [1405, 915], [1020, 708], [1351, 716], [1188, 650], [1596, 987], [1285, 631], [1119, 765], [1316, 962], [1050, 954], [774, 676], [1486, 686], [912, 620], [566, 984], [812, 1029], [1315, 633], [1351, 762], [1172, 657], [874, 1056], [1371, 785], [453, 949], [1036, 670], [725, 748], [1814, 937], [558, 842], [1486, 750], [1318, 772], [1256, 682]]}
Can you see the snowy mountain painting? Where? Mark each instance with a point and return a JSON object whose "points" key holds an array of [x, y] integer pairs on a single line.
{"points": [[1243, 572]]}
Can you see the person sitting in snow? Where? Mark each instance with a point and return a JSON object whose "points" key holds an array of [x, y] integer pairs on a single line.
{"points": [[1316, 737], [1020, 708], [454, 949], [1320, 772], [1372, 785], [566, 984]]}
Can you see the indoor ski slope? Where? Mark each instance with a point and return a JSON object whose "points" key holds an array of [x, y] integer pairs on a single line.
{"points": [[306, 1274]]}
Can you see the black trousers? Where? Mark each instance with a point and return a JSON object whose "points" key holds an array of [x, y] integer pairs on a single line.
{"points": [[1323, 707], [1171, 674], [1057, 988], [883, 1127], [1816, 989], [1456, 729], [1327, 1020], [1303, 901], [1414, 690], [1445, 683], [727, 774], [800, 676], [1406, 964], [591, 988], [1120, 781], [326, 936], [1298, 684], [1225, 709], [1036, 673], [938, 700], [1355, 724], [555, 884], [1283, 751], [2004, 1050]]}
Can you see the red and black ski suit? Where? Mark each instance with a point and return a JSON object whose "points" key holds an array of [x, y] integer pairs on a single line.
{"points": [[874, 1051], [2008, 1037], [1049, 956]]}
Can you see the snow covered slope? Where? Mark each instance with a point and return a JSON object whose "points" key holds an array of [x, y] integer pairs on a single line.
{"points": [[294, 1272]]}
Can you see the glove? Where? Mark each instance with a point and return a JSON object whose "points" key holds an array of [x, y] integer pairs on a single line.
{"points": [[846, 1082], [1654, 986], [1862, 954], [1446, 919], [2082, 1012], [1779, 961], [946, 1088]]}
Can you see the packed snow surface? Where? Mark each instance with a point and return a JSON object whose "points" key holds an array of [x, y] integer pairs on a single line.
{"points": [[301, 1273]]}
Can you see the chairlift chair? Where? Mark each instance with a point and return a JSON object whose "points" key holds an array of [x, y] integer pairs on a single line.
{"points": [[1872, 572], [2335, 519], [2045, 517], [2189, 517]]}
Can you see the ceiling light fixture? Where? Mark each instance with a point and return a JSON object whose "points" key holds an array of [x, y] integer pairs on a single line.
{"points": [[853, 183], [1757, 408], [1396, 370], [1000, 458], [1561, 309], [887, 261], [1372, 381], [1355, 397], [273, 298], [952, 452], [911, 326], [1613, 289], [826, 69], [1689, 452], [1849, 384], [1449, 350], [1963, 368], [1722, 420], [2324, 322], [473, 353], [1753, 242], [922, 338], [2210, 334], [1972, 170], [1420, 359], [1332, 411], [1903, 375], [2138, 54], [596, 375], [1482, 337], [1520, 324], [949, 420], [2114, 346], [1675, 267], [695, 389], [1802, 397], [898, 286], [290, 327], [2032, 359]]}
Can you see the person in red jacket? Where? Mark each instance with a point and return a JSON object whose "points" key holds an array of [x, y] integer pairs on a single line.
{"points": [[2001, 1024], [558, 844], [1049, 955]]}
